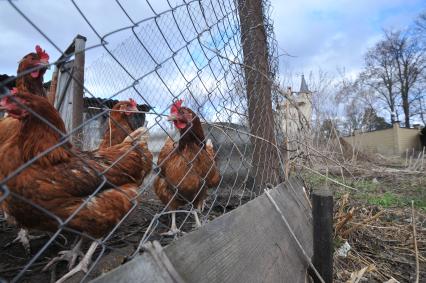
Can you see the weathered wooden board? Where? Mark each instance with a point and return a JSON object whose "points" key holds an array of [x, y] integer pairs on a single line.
{"points": [[249, 244], [138, 271], [63, 98]]}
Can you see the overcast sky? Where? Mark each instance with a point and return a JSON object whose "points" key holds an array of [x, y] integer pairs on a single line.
{"points": [[334, 34], [318, 33]]}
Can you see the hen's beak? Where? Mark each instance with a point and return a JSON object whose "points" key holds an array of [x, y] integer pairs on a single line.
{"points": [[3, 103], [44, 63], [130, 110], [172, 117]]}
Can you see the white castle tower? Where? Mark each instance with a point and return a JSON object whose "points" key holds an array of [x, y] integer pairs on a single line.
{"points": [[296, 113]]}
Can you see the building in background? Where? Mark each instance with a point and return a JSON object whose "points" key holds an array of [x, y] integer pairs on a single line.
{"points": [[393, 141], [295, 113]]}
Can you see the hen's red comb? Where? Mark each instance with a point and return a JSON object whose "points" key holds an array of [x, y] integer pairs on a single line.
{"points": [[41, 53], [178, 103], [176, 106], [133, 102]]}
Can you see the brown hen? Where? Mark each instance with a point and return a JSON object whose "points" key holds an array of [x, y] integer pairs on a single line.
{"points": [[27, 81], [63, 179], [187, 168], [30, 78], [118, 124]]}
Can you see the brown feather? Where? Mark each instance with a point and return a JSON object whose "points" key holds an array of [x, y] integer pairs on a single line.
{"points": [[24, 83], [118, 126], [61, 182], [187, 168], [8, 125], [27, 83]]}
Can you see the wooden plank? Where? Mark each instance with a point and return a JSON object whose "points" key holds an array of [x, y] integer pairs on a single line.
{"points": [[138, 270], [78, 88], [63, 97], [297, 210], [70, 50], [295, 186], [53, 86], [249, 244]]}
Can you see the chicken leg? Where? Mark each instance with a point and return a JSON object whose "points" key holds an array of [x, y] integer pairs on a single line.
{"points": [[197, 220], [203, 205], [199, 209], [83, 265], [24, 238], [173, 229], [70, 256]]}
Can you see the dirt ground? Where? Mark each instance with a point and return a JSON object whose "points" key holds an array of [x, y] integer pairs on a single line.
{"points": [[375, 221], [119, 247]]}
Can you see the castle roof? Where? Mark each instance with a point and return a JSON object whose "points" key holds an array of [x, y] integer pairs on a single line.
{"points": [[304, 86]]}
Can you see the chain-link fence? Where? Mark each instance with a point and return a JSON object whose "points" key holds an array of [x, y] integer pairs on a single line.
{"points": [[130, 175]]}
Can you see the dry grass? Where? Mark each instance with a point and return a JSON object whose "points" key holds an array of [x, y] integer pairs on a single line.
{"points": [[375, 219]]}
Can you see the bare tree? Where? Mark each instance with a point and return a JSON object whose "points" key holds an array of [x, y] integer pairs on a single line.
{"points": [[372, 122], [420, 24], [320, 83], [354, 115], [357, 100], [420, 32], [418, 103], [422, 110], [380, 75], [409, 59]]}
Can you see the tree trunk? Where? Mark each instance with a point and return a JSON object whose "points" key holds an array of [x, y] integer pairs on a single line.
{"points": [[422, 111], [258, 87], [405, 98], [391, 104], [406, 108]]}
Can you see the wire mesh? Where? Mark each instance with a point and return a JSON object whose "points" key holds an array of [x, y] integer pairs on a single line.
{"points": [[186, 50]]}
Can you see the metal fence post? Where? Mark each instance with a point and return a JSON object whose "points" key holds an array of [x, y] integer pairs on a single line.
{"points": [[322, 213], [258, 89]]}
